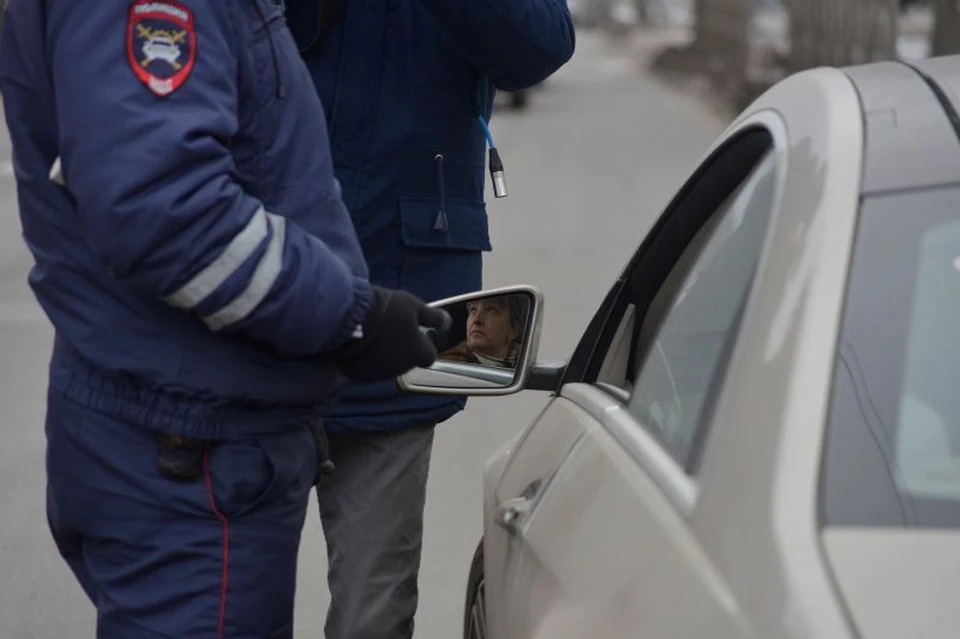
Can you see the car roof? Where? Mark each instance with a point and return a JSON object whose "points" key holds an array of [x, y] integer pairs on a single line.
{"points": [[910, 124]]}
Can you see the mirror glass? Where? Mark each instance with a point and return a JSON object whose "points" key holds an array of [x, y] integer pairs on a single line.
{"points": [[483, 345]]}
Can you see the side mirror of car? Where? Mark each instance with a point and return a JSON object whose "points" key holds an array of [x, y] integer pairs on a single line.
{"points": [[490, 348]]}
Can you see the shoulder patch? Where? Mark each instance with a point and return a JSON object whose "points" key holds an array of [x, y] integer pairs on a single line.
{"points": [[161, 44]]}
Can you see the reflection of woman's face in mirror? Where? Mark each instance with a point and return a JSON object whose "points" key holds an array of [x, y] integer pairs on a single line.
{"points": [[489, 329]]}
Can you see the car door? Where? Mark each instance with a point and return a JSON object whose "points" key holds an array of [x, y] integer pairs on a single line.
{"points": [[594, 506]]}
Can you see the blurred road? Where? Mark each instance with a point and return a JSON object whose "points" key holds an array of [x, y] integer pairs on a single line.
{"points": [[598, 154]]}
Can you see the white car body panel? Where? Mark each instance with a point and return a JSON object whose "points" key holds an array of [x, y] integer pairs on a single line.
{"points": [[686, 560]]}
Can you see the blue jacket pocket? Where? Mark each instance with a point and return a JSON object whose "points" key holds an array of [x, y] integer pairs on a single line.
{"points": [[465, 229], [442, 262]]}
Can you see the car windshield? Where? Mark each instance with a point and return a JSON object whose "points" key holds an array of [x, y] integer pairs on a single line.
{"points": [[892, 455]]}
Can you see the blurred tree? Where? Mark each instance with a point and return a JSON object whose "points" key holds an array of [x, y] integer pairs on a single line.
{"points": [[701, 18], [945, 39]]}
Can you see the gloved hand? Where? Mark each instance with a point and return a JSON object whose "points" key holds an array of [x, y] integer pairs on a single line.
{"points": [[393, 341]]}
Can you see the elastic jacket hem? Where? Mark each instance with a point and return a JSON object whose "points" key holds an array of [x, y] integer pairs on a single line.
{"points": [[391, 422], [167, 412]]}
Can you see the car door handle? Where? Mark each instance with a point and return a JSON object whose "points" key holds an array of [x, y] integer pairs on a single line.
{"points": [[510, 513]]}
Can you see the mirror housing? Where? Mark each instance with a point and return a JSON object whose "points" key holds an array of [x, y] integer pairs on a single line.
{"points": [[491, 347]]}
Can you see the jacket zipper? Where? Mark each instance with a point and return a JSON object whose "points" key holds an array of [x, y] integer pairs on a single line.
{"points": [[441, 223]]}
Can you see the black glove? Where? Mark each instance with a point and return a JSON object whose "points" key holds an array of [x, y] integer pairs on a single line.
{"points": [[396, 338]]}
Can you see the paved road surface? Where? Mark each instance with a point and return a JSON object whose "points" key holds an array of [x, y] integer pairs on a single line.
{"points": [[601, 150]]}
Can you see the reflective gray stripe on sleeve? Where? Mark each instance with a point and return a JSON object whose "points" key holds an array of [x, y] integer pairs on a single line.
{"points": [[268, 270], [237, 252]]}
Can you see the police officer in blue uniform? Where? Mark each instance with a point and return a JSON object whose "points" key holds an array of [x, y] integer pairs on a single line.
{"points": [[209, 296], [408, 88]]}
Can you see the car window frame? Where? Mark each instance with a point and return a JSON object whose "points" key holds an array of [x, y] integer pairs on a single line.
{"points": [[720, 174], [690, 457], [587, 358]]}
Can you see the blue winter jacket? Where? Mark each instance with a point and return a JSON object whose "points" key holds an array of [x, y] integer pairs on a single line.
{"points": [[403, 83], [192, 251]]}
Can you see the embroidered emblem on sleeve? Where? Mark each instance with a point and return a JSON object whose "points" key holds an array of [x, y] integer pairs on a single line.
{"points": [[161, 44]]}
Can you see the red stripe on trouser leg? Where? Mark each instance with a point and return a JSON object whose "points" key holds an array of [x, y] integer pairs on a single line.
{"points": [[225, 523]]}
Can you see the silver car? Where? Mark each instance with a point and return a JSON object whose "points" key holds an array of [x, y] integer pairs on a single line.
{"points": [[758, 435]]}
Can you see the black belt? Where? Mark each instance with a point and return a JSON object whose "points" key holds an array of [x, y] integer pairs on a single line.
{"points": [[181, 459]]}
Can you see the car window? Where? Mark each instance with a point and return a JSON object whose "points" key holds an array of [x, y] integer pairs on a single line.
{"points": [[892, 454], [686, 336]]}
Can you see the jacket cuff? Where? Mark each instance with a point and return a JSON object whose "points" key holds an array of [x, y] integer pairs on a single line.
{"points": [[351, 329]]}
